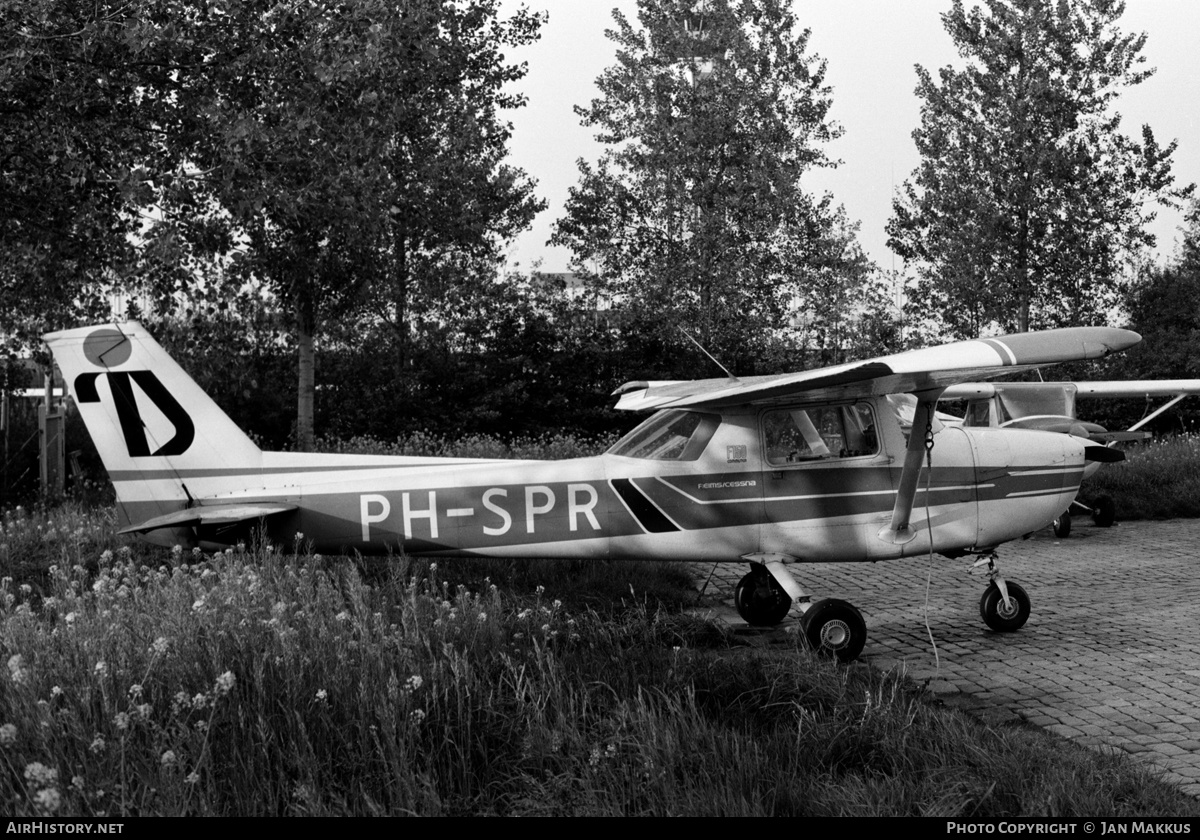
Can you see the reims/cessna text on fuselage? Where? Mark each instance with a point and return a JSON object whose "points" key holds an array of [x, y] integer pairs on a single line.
{"points": [[847, 463]]}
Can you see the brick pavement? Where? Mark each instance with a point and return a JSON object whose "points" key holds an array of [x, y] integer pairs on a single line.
{"points": [[1110, 657]]}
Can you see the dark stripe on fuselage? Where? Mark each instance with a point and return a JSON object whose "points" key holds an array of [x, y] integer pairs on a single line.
{"points": [[650, 517]]}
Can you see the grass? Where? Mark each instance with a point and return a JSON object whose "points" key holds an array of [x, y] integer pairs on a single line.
{"points": [[271, 682], [1158, 480]]}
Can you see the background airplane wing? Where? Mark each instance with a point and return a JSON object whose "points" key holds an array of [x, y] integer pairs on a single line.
{"points": [[1138, 388], [909, 372]]}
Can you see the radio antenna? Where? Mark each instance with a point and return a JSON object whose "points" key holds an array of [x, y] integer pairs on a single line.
{"points": [[710, 355]]}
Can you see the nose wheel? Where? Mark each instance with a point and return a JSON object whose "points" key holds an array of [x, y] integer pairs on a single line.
{"points": [[1001, 617]]}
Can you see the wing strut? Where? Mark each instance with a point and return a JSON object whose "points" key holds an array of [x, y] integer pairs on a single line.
{"points": [[920, 445]]}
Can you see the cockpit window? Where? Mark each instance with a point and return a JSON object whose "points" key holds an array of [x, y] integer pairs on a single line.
{"points": [[673, 435], [820, 432]]}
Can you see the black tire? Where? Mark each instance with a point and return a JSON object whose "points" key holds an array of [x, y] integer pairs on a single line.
{"points": [[1104, 512], [760, 600], [994, 614], [1062, 525], [835, 628]]}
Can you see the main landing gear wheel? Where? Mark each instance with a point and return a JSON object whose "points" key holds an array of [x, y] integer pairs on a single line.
{"points": [[760, 600], [1104, 512], [1062, 525], [999, 617], [835, 628]]}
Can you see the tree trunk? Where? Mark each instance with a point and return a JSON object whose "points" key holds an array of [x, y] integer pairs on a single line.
{"points": [[306, 378]]}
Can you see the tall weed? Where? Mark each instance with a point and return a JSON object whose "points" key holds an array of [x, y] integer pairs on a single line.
{"points": [[1158, 480]]}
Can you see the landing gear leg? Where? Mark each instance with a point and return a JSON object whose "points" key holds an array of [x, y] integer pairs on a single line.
{"points": [[1004, 606]]}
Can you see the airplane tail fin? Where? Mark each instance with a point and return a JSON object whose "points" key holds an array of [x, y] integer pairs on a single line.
{"points": [[155, 429]]}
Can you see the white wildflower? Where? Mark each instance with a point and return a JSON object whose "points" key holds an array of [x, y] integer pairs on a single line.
{"points": [[48, 800], [8, 734], [224, 683], [168, 759], [40, 774], [19, 675]]}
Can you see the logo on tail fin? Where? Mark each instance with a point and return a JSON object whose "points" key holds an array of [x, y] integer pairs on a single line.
{"points": [[134, 428]]}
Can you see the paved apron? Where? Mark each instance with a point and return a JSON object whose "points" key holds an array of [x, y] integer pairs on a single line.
{"points": [[1110, 657]]}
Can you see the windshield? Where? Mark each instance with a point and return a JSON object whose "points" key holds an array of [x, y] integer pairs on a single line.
{"points": [[673, 435]]}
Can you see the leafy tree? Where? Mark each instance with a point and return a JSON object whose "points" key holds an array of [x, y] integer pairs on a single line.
{"points": [[1164, 307], [695, 216], [346, 144], [1028, 198], [79, 136]]}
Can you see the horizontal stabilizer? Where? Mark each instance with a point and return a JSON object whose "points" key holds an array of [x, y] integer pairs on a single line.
{"points": [[210, 515]]}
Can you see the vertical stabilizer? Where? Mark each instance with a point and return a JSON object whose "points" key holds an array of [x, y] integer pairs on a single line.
{"points": [[162, 439]]}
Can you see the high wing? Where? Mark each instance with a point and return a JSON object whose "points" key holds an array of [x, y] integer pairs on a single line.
{"points": [[1115, 389], [914, 371], [1138, 388], [1176, 389]]}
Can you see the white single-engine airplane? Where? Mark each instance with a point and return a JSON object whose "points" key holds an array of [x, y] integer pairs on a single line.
{"points": [[845, 463], [1050, 407]]}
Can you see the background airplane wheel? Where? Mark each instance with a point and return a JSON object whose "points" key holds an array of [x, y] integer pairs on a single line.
{"points": [[1104, 512], [997, 616], [835, 628], [760, 600], [1062, 525]]}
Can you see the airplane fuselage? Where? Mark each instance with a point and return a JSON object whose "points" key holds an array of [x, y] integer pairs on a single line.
{"points": [[731, 496]]}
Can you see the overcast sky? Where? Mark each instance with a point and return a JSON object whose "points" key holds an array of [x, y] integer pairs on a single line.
{"points": [[871, 47]]}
